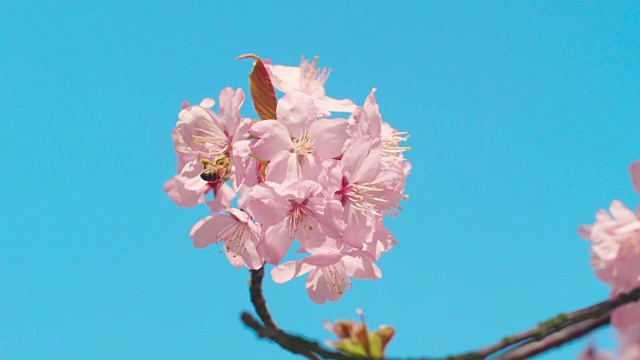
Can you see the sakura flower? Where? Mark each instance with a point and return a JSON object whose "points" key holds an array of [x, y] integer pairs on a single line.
{"points": [[615, 257], [205, 141], [239, 234], [298, 211], [613, 236], [329, 272], [309, 79], [366, 191], [366, 122], [382, 240], [180, 188], [296, 142]]}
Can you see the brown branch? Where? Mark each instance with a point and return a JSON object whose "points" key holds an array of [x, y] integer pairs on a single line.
{"points": [[591, 317], [293, 343], [257, 299], [547, 335], [555, 340]]}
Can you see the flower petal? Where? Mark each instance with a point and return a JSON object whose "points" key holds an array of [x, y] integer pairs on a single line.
{"points": [[330, 137], [273, 138], [296, 111], [276, 241], [207, 230], [289, 270]]}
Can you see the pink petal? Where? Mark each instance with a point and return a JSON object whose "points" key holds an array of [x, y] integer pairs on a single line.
{"points": [[359, 229], [361, 162], [235, 260], [181, 193], [301, 191], [267, 206], [250, 256], [330, 137], [276, 241], [361, 267], [620, 212], [283, 169], [296, 111], [373, 114], [196, 123], [585, 231], [222, 198], [207, 230], [230, 103], [343, 105], [324, 259], [328, 213], [207, 103], [318, 288], [284, 78], [289, 270], [273, 138]]}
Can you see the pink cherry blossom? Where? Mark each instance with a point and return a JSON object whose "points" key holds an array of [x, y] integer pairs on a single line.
{"points": [[329, 272], [326, 182], [296, 143], [615, 256], [614, 236], [202, 134], [235, 229], [309, 79], [298, 211]]}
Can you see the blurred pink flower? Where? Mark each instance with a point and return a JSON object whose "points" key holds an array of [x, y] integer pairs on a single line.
{"points": [[634, 169]]}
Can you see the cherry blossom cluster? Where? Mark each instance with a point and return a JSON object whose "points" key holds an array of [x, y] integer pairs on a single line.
{"points": [[615, 257], [326, 181]]}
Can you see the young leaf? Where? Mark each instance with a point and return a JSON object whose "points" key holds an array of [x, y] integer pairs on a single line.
{"points": [[262, 92]]}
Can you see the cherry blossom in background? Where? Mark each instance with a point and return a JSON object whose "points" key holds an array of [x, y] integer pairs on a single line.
{"points": [[615, 258]]}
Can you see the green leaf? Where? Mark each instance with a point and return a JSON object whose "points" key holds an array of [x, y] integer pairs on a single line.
{"points": [[351, 347]]}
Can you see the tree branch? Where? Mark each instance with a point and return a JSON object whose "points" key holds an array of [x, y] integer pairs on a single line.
{"points": [[547, 335], [269, 330]]}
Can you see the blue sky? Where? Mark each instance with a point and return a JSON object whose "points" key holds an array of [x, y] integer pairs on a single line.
{"points": [[523, 119]]}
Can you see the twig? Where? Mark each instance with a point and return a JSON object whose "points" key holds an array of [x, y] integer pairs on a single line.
{"points": [[555, 340], [547, 335], [599, 312], [257, 299], [293, 343]]}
